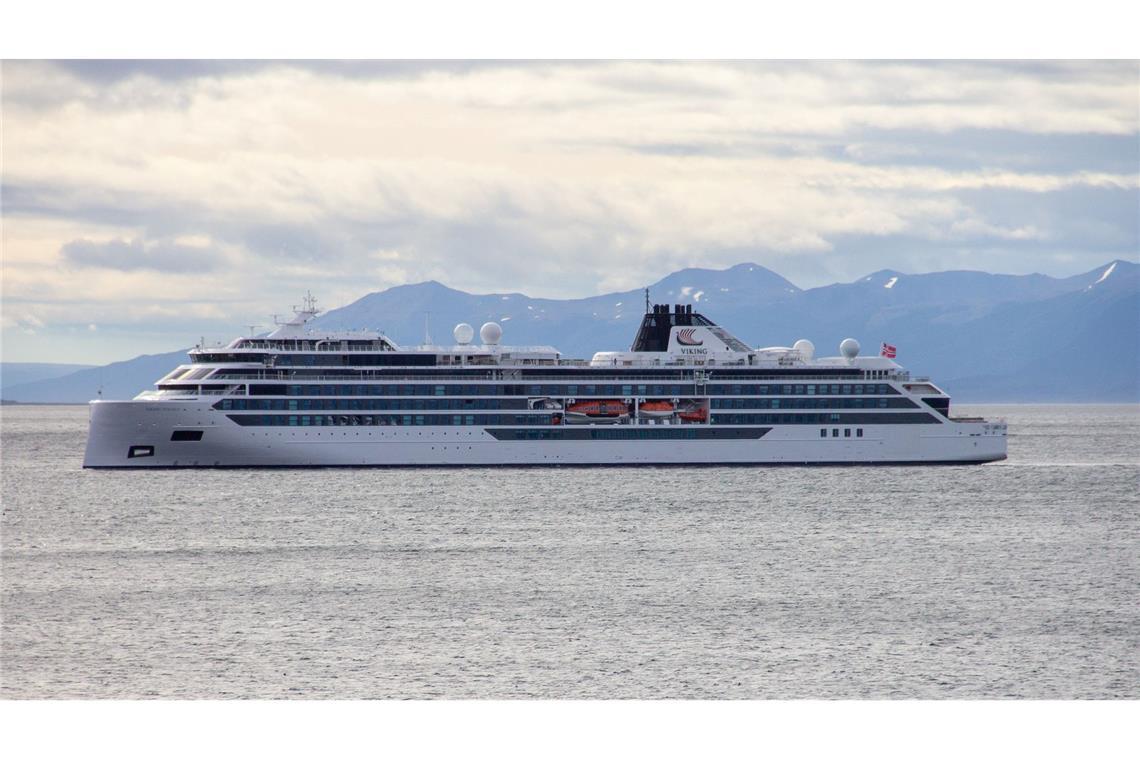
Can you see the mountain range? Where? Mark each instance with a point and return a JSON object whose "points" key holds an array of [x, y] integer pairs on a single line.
{"points": [[983, 337]]}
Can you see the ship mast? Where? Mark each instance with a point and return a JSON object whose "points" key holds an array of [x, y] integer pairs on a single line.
{"points": [[292, 328]]}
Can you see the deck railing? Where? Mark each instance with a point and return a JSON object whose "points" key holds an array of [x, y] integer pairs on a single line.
{"points": [[500, 376]]}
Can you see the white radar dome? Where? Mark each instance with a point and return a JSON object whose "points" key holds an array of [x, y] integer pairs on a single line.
{"points": [[804, 348], [849, 348], [490, 333], [463, 333]]}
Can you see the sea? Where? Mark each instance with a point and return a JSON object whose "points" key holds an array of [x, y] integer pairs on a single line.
{"points": [[1018, 579]]}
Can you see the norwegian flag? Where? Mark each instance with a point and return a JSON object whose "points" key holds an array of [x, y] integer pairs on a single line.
{"points": [[888, 351]]}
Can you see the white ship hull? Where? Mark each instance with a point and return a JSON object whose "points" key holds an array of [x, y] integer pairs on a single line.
{"points": [[117, 427]]}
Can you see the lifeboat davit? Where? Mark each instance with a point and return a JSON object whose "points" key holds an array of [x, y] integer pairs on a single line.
{"points": [[606, 410], [698, 414], [656, 409]]}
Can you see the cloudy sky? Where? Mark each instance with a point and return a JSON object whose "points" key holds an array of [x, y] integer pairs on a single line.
{"points": [[148, 203]]}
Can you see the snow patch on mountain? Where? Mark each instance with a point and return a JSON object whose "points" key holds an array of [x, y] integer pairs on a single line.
{"points": [[1104, 276]]}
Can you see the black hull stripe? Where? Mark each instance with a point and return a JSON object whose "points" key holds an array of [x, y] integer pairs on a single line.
{"points": [[628, 433]]}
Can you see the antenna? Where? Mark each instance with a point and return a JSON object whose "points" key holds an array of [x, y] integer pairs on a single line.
{"points": [[309, 305], [647, 300]]}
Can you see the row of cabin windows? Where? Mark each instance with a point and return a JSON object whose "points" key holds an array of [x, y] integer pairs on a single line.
{"points": [[547, 373], [375, 359], [545, 419], [226, 358], [574, 390], [858, 418], [846, 432], [378, 359], [817, 402], [802, 389], [301, 344], [365, 404], [431, 404], [338, 420]]}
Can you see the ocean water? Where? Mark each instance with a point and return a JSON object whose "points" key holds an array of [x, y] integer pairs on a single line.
{"points": [[1014, 579]]}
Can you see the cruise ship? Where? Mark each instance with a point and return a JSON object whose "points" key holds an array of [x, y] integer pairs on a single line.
{"points": [[687, 392]]}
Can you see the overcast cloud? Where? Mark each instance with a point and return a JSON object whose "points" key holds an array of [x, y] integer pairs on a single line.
{"points": [[161, 200]]}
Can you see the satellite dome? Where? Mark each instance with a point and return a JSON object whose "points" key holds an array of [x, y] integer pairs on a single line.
{"points": [[804, 347], [490, 333], [849, 348], [463, 333]]}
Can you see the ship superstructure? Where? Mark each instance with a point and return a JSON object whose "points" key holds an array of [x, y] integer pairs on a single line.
{"points": [[687, 392]]}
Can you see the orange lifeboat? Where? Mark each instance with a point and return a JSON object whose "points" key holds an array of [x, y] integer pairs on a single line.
{"points": [[656, 409], [605, 410]]}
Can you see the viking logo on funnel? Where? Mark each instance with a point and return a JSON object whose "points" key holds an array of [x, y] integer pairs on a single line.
{"points": [[685, 338]]}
